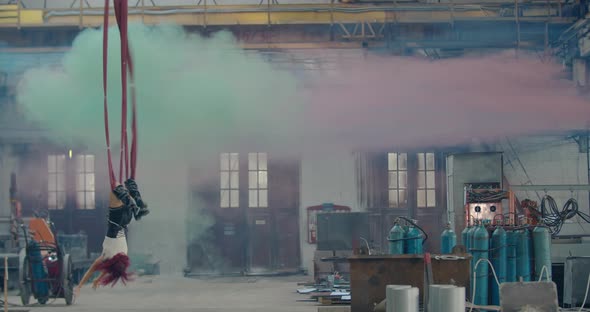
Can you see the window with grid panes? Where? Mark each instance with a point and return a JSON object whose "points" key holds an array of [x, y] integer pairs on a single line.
{"points": [[229, 180], [85, 189], [56, 182], [257, 180], [397, 164], [426, 193]]}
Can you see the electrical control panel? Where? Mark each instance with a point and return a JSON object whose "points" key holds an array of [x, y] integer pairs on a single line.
{"points": [[483, 211], [483, 201]]}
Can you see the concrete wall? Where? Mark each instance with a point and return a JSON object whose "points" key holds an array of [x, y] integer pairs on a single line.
{"points": [[548, 160], [326, 177], [8, 165]]}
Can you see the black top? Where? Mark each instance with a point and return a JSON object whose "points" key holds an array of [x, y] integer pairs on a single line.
{"points": [[119, 218]]}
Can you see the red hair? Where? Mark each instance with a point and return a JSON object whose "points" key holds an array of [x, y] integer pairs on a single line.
{"points": [[115, 269]]}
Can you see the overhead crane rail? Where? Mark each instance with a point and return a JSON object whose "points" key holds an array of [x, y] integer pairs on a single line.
{"points": [[272, 13]]}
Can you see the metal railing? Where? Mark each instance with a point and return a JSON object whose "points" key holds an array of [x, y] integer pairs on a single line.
{"points": [[543, 10]]}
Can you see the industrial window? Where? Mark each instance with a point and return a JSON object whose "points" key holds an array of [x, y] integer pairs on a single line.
{"points": [[257, 180], [230, 180], [397, 164], [56, 182], [85, 189], [426, 180]]}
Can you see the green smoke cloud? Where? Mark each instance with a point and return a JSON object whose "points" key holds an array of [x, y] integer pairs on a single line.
{"points": [[189, 89], [196, 97]]}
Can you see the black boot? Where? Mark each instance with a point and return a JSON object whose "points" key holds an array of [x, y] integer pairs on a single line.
{"points": [[134, 192], [123, 195]]}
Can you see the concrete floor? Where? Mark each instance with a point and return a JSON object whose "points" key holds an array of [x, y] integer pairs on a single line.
{"points": [[178, 294]]}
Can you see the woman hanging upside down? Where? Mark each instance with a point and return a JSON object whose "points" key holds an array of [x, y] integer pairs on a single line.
{"points": [[125, 203]]}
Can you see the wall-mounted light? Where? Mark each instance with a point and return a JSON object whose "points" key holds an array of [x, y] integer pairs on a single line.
{"points": [[70, 154]]}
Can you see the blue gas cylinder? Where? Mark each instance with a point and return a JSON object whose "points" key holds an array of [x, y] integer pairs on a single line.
{"points": [[469, 247], [542, 252], [464, 237], [481, 246], [470, 238], [413, 241], [499, 259], [448, 240], [396, 240], [511, 240], [41, 286], [523, 264], [531, 254], [465, 241]]}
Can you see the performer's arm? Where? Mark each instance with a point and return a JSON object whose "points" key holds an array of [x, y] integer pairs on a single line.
{"points": [[96, 282], [89, 273]]}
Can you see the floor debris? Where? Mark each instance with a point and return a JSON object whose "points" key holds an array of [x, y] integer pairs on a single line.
{"points": [[306, 290], [327, 293]]}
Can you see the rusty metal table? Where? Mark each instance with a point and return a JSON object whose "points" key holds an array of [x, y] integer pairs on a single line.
{"points": [[369, 276]]}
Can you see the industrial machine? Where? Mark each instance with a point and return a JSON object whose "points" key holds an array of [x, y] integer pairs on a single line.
{"points": [[342, 231], [513, 236], [510, 241], [483, 201], [577, 272], [45, 270], [340, 235], [312, 218]]}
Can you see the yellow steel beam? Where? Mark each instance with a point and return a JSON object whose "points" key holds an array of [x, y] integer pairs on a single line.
{"points": [[286, 14], [8, 7], [10, 13], [243, 45], [31, 17], [35, 50]]}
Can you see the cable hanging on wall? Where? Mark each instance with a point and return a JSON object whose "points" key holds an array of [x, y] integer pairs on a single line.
{"points": [[555, 218]]}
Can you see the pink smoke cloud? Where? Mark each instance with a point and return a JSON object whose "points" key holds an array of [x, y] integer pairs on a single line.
{"points": [[380, 102]]}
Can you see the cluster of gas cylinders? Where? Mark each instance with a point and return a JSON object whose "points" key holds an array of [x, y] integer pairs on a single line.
{"points": [[515, 253], [405, 238]]}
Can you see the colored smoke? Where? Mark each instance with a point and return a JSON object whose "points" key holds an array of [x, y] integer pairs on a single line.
{"points": [[200, 96], [393, 102], [196, 97]]}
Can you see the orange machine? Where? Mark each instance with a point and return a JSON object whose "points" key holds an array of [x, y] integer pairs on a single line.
{"points": [[40, 232]]}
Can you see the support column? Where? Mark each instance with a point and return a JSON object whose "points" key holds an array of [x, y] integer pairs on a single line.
{"points": [[580, 72], [8, 164]]}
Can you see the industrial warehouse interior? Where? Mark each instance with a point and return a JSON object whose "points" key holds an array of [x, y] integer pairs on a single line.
{"points": [[295, 155]]}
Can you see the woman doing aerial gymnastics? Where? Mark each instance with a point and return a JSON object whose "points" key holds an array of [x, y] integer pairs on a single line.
{"points": [[125, 203]]}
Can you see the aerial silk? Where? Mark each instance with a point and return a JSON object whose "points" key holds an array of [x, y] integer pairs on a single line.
{"points": [[128, 157]]}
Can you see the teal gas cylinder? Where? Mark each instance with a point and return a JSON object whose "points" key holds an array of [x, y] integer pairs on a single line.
{"points": [[413, 240], [481, 246], [523, 264], [448, 240], [542, 252], [396, 240], [511, 241], [498, 259]]}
